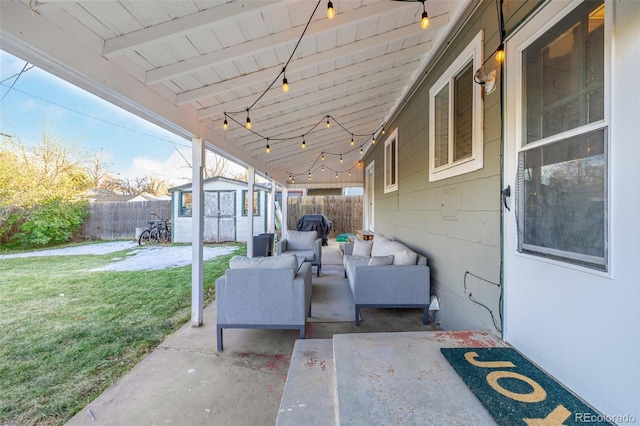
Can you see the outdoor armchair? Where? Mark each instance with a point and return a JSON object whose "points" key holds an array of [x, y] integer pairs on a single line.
{"points": [[305, 244]]}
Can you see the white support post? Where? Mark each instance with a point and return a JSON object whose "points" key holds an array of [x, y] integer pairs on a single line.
{"points": [[285, 211], [251, 172], [197, 239], [271, 228]]}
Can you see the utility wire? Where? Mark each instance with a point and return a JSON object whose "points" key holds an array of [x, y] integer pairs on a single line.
{"points": [[15, 81], [100, 119]]}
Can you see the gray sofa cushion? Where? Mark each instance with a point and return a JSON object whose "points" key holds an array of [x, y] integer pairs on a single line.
{"points": [[301, 240], [405, 257], [362, 247], [381, 260], [286, 261]]}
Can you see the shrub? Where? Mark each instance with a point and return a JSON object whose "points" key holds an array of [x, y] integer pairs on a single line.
{"points": [[54, 222]]}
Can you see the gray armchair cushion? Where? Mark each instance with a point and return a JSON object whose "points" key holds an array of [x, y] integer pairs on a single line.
{"points": [[301, 240], [287, 261]]}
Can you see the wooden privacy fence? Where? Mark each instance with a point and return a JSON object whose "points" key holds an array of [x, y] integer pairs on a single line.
{"points": [[118, 221], [344, 211]]}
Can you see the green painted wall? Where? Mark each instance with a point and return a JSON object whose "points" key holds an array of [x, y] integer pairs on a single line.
{"points": [[455, 222]]}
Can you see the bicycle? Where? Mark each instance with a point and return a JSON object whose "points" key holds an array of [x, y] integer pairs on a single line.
{"points": [[159, 232]]}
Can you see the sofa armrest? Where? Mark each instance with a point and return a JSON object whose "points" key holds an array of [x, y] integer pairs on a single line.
{"points": [[348, 249], [317, 249], [392, 284], [281, 247]]}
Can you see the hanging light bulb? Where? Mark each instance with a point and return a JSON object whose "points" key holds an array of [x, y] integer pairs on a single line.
{"points": [[331, 13], [361, 151], [424, 22], [225, 124], [383, 131], [352, 141], [328, 124], [336, 175], [309, 175], [322, 156], [341, 158], [293, 180], [323, 167], [304, 144], [285, 85], [248, 125], [268, 148], [373, 139], [349, 172], [500, 53]]}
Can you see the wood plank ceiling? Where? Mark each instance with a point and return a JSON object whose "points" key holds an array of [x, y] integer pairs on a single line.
{"points": [[183, 64]]}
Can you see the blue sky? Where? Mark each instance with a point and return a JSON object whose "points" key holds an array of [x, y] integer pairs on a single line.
{"points": [[132, 147]]}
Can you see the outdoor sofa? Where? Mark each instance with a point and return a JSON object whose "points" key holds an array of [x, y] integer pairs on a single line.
{"points": [[304, 244], [263, 292], [386, 274]]}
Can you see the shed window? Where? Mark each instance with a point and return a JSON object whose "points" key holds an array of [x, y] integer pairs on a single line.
{"points": [[256, 203], [186, 204]]}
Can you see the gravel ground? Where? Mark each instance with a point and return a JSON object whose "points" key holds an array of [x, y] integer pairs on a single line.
{"points": [[139, 259]]}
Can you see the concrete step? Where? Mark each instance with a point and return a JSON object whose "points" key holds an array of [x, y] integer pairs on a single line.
{"points": [[309, 393], [402, 378], [381, 378]]}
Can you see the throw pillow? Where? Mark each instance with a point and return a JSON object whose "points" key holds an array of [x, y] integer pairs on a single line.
{"points": [[405, 257], [381, 246], [285, 261], [301, 240], [381, 260], [362, 247]]}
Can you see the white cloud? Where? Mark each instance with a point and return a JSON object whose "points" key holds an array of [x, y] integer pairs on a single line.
{"points": [[173, 169]]}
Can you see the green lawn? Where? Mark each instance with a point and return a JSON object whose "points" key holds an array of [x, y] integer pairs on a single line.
{"points": [[68, 334]]}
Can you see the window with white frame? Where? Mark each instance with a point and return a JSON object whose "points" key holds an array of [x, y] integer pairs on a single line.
{"points": [[391, 162], [186, 203], [455, 117], [562, 159]]}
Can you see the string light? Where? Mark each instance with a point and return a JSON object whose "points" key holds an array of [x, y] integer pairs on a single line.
{"points": [[383, 131], [225, 125], [424, 22], [341, 158], [248, 125], [373, 139], [500, 54], [331, 13], [309, 175], [349, 172], [336, 175], [285, 84], [304, 144], [322, 156], [268, 149], [352, 141], [361, 151], [322, 168], [328, 123]]}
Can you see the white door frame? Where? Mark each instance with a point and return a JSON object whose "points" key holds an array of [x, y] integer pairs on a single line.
{"points": [[369, 197]]}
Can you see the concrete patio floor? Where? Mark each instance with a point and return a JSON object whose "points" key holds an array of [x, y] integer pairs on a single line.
{"points": [[185, 381]]}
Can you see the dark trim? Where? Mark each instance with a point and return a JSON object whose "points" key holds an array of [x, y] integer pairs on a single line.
{"points": [[425, 315]]}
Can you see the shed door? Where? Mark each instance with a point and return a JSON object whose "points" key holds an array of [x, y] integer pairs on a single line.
{"points": [[219, 216]]}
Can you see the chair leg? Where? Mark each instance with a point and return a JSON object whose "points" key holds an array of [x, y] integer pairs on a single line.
{"points": [[319, 269], [425, 315], [357, 316], [302, 331], [219, 333]]}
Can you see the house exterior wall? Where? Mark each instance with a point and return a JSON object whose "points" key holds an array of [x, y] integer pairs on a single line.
{"points": [[455, 222], [584, 332], [182, 224]]}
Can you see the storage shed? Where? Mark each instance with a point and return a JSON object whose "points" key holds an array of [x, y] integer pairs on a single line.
{"points": [[225, 210]]}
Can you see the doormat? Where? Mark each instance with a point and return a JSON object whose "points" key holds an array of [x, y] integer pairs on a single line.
{"points": [[516, 392]]}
